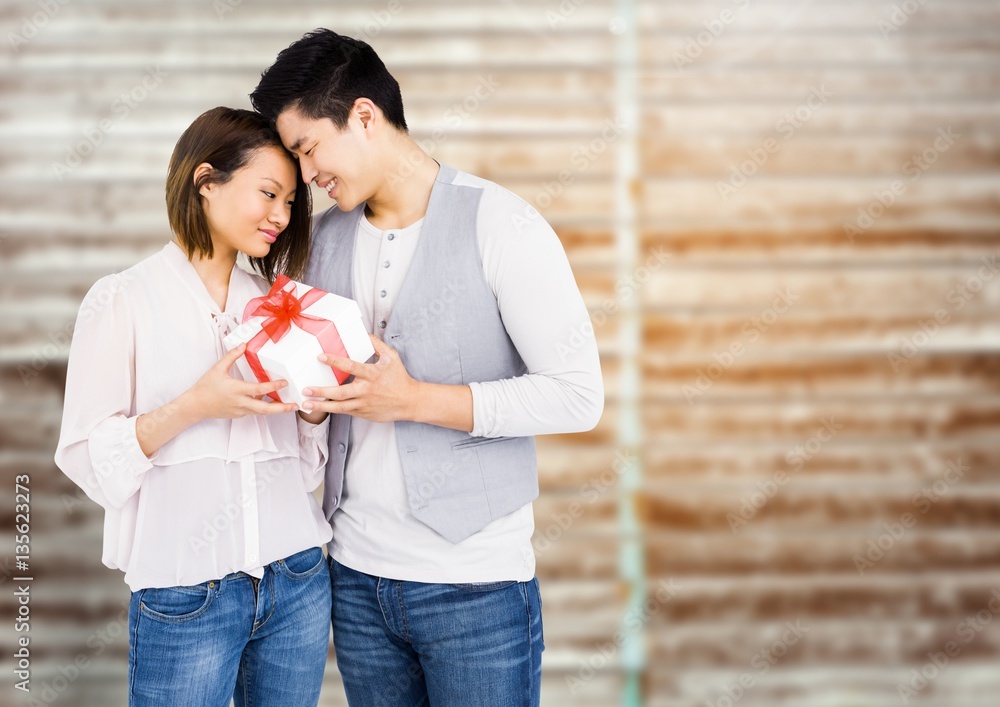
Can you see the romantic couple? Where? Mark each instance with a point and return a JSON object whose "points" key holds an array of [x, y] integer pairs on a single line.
{"points": [[427, 453]]}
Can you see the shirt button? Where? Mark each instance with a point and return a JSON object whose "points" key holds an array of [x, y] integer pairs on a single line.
{"points": [[385, 264], [391, 236], [383, 293], [381, 324], [251, 558], [341, 447]]}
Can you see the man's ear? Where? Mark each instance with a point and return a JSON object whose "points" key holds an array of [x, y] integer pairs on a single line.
{"points": [[364, 110], [199, 172]]}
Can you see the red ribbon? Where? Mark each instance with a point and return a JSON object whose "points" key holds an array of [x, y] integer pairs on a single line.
{"points": [[282, 309]]}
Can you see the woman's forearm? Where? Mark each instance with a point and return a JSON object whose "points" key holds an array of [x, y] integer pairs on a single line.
{"points": [[154, 429]]}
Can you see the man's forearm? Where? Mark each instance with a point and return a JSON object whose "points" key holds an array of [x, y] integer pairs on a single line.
{"points": [[443, 405]]}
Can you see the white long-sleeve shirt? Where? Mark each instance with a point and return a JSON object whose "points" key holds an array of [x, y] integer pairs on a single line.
{"points": [[547, 320], [222, 496]]}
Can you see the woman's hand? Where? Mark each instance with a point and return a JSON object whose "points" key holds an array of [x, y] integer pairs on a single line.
{"points": [[218, 394]]}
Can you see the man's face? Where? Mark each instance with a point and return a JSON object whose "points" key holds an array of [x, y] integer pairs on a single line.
{"points": [[335, 159]]}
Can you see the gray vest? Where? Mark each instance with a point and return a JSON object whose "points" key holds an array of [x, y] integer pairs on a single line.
{"points": [[446, 327]]}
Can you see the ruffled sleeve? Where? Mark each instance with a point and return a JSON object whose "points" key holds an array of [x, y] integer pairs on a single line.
{"points": [[98, 448], [313, 450]]}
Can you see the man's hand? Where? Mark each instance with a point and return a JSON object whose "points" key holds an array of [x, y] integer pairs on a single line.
{"points": [[381, 392]]}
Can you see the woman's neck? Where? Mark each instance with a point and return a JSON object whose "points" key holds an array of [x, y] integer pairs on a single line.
{"points": [[215, 271]]}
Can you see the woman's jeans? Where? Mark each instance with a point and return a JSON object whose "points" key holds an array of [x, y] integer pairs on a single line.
{"points": [[411, 644], [262, 643]]}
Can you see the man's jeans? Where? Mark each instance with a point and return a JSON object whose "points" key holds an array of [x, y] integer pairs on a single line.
{"points": [[207, 644], [406, 644]]}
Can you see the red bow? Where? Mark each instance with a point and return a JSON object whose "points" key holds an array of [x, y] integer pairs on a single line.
{"points": [[282, 309]]}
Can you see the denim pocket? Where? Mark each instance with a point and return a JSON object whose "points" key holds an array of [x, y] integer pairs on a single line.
{"points": [[303, 565], [177, 604], [483, 586]]}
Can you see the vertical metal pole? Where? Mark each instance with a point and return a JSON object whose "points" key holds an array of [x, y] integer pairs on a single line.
{"points": [[631, 563]]}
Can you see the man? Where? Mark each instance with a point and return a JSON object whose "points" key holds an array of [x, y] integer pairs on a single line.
{"points": [[483, 341]]}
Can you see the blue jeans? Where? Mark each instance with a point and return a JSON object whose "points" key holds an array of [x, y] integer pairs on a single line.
{"points": [[404, 644], [258, 643]]}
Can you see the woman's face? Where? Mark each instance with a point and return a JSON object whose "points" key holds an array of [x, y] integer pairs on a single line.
{"points": [[249, 212]]}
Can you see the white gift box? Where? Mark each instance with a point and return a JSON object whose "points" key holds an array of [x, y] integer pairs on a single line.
{"points": [[294, 356]]}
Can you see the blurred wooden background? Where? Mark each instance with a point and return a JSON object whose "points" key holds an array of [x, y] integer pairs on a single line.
{"points": [[764, 389]]}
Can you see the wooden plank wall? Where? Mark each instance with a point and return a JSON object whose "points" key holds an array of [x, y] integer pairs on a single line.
{"points": [[805, 386]]}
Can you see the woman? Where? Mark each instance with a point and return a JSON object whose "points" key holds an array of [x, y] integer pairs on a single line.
{"points": [[206, 486]]}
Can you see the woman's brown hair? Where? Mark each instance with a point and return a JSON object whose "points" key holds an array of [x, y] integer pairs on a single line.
{"points": [[228, 139]]}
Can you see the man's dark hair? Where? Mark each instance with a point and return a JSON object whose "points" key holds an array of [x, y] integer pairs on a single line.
{"points": [[322, 74]]}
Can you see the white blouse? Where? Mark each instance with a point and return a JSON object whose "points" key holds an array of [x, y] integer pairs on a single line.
{"points": [[225, 494]]}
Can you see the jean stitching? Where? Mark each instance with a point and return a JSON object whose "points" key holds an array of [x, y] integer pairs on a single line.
{"points": [[308, 574], [402, 610], [274, 601], [246, 680], [541, 618], [531, 642], [378, 598], [184, 618], [135, 648], [483, 586]]}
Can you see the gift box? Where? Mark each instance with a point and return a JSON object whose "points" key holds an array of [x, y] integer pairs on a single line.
{"points": [[287, 329]]}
